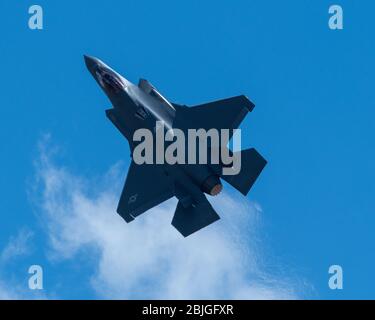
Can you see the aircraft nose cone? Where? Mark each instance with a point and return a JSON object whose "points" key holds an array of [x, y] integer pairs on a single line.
{"points": [[91, 62]]}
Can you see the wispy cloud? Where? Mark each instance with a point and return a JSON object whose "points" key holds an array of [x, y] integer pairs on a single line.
{"points": [[14, 286], [148, 258], [16, 290], [19, 245], [6, 293]]}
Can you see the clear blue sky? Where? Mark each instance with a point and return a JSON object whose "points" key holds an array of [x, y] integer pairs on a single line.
{"points": [[314, 116]]}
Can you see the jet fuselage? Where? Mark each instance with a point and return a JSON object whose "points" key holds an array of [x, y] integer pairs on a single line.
{"points": [[141, 106], [148, 107]]}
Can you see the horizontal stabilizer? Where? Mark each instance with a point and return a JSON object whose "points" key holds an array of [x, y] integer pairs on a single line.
{"points": [[194, 217], [252, 164]]}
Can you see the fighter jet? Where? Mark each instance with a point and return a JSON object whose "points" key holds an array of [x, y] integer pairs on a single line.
{"points": [[147, 185]]}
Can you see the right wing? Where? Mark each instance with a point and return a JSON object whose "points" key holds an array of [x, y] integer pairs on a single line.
{"points": [[145, 187], [221, 114]]}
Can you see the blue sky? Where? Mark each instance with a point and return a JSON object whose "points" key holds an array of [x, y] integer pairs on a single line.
{"points": [[313, 121]]}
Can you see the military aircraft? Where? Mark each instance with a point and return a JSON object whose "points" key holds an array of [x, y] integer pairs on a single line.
{"points": [[147, 185]]}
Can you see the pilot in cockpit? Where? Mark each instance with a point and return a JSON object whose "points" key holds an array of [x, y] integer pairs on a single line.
{"points": [[109, 80]]}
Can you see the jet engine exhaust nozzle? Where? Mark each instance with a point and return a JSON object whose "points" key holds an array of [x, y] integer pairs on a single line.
{"points": [[212, 185]]}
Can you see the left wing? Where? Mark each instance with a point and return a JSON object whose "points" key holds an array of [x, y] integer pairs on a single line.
{"points": [[145, 187]]}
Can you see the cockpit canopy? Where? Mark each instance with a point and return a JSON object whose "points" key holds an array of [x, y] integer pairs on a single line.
{"points": [[109, 80]]}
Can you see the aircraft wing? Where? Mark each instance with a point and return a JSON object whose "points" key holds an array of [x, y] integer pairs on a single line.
{"points": [[145, 187], [221, 114]]}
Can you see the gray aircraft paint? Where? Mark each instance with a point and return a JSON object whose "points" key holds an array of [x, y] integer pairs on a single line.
{"points": [[148, 185]]}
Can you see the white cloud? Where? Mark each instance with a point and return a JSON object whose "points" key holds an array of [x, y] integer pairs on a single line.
{"points": [[6, 293], [15, 290], [14, 286], [17, 246], [148, 258]]}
